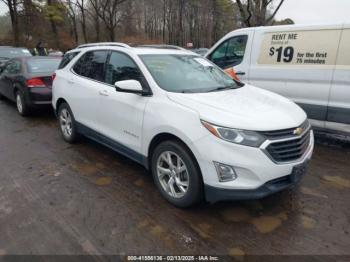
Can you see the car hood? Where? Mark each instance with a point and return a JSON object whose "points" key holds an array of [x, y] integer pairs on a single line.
{"points": [[247, 108], [3, 61]]}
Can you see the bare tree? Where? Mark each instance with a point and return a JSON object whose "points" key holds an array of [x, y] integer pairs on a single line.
{"points": [[13, 10], [258, 12], [72, 14], [96, 10], [110, 14], [52, 5]]}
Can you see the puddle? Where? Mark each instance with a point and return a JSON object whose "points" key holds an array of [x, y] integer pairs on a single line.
{"points": [[103, 181], [237, 253], [308, 222], [86, 168], [308, 211], [235, 215], [311, 192], [157, 230], [89, 248], [202, 230], [139, 182], [336, 181], [267, 224]]}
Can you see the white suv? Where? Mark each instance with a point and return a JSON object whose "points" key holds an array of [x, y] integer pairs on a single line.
{"points": [[199, 132]]}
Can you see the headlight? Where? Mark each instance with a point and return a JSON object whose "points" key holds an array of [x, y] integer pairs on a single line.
{"points": [[242, 137]]}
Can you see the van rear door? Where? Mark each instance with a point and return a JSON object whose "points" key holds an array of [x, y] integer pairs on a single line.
{"points": [[233, 52], [339, 102]]}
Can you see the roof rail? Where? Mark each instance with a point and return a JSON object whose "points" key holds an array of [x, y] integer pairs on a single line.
{"points": [[163, 47], [104, 44]]}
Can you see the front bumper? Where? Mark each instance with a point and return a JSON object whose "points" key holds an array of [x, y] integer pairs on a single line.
{"points": [[214, 194], [257, 174]]}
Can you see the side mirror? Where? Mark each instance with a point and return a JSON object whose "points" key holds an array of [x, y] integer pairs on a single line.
{"points": [[129, 86]]}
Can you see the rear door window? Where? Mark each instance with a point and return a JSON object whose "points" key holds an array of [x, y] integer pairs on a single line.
{"points": [[67, 58], [92, 65], [13, 67]]}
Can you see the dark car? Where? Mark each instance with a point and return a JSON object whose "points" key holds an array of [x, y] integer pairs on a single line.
{"points": [[28, 81], [9, 52]]}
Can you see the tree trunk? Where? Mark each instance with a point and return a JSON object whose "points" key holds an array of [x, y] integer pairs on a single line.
{"points": [[12, 5], [54, 27]]}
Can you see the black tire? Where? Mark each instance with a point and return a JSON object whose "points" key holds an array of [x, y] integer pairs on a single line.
{"points": [[73, 136], [22, 108], [194, 193]]}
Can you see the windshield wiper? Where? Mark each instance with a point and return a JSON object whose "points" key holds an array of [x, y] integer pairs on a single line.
{"points": [[222, 88]]}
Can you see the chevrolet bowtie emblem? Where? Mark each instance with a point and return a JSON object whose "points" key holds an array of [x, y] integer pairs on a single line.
{"points": [[298, 131]]}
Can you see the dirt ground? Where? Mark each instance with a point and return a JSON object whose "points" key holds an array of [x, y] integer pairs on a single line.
{"points": [[56, 198]]}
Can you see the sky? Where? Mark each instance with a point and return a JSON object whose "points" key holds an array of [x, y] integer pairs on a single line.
{"points": [[302, 11], [315, 11]]}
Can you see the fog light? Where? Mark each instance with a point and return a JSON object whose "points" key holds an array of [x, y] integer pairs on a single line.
{"points": [[225, 172]]}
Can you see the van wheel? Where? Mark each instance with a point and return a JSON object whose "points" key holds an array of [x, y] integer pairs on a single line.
{"points": [[67, 124], [22, 107], [176, 174]]}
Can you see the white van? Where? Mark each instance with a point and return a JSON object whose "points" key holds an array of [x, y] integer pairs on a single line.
{"points": [[308, 64]]}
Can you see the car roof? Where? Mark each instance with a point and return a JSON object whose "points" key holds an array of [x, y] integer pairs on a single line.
{"points": [[143, 50], [12, 47], [38, 57]]}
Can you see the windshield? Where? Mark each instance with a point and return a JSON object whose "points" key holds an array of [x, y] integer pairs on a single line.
{"points": [[187, 73], [14, 52], [43, 65]]}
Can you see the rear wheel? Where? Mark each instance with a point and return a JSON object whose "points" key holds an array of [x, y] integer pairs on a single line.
{"points": [[22, 107], [176, 174], [67, 123]]}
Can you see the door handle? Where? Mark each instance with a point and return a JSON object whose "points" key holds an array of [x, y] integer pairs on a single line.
{"points": [[240, 73], [103, 93]]}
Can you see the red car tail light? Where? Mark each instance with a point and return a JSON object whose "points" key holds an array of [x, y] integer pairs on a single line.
{"points": [[35, 82], [53, 76]]}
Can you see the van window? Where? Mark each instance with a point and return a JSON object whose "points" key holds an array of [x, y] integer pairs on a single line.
{"points": [[231, 52], [92, 65]]}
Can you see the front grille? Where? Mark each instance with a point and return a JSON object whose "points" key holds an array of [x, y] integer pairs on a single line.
{"points": [[285, 133], [289, 150]]}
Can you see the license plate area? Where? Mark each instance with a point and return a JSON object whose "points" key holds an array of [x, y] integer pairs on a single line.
{"points": [[298, 172]]}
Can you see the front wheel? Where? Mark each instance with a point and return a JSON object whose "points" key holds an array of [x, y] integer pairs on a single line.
{"points": [[67, 123], [176, 174]]}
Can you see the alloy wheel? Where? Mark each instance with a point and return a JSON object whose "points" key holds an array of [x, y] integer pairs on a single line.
{"points": [[19, 103], [173, 174], [66, 123]]}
